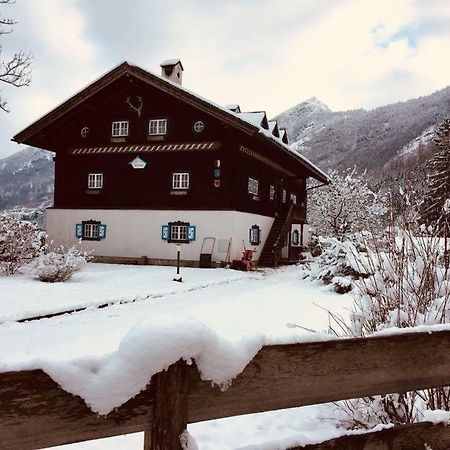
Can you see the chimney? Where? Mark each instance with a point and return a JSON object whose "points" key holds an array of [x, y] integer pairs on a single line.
{"points": [[172, 70]]}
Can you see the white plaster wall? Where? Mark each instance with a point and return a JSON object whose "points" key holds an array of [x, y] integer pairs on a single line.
{"points": [[136, 233]]}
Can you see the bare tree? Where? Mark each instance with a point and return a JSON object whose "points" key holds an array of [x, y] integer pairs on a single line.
{"points": [[15, 71]]}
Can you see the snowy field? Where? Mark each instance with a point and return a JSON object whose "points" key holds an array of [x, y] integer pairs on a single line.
{"points": [[239, 310]]}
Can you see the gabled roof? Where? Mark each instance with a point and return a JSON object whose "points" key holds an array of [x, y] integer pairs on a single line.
{"points": [[254, 123], [233, 107], [273, 128], [256, 118], [283, 135]]}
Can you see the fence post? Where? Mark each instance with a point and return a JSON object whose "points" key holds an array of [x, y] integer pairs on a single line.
{"points": [[170, 415]]}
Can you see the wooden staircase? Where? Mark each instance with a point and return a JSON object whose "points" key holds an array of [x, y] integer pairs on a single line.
{"points": [[271, 252]]}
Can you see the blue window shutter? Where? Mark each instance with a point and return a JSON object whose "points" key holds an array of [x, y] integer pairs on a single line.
{"points": [[79, 230], [191, 233], [102, 231], [165, 232]]}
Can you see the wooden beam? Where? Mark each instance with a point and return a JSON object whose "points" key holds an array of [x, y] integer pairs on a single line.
{"points": [[404, 437], [170, 414], [285, 376], [36, 413]]}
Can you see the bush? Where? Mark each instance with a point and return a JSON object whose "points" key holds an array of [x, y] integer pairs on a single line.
{"points": [[20, 242], [408, 286], [59, 265]]}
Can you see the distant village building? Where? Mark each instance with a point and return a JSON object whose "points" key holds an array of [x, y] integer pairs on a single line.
{"points": [[142, 163]]}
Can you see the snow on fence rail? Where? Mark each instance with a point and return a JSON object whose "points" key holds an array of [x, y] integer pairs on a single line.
{"points": [[36, 413]]}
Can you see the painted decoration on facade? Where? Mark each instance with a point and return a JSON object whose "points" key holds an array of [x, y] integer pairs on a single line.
{"points": [[138, 163]]}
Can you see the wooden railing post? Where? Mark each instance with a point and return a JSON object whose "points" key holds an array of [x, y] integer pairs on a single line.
{"points": [[170, 415]]}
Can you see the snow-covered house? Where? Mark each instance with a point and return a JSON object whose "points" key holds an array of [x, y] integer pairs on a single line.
{"points": [[142, 163]]}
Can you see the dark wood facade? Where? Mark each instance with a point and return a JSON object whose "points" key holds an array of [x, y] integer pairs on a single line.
{"points": [[150, 188]]}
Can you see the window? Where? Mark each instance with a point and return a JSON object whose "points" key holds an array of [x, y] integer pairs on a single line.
{"points": [[179, 232], [199, 126], [255, 235], [293, 198], [120, 128], [95, 181], [180, 180], [284, 195], [252, 186], [157, 127], [90, 230], [272, 192], [295, 238]]}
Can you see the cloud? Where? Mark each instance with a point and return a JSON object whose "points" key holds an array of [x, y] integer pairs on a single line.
{"points": [[263, 55]]}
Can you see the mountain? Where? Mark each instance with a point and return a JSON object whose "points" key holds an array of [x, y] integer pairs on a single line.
{"points": [[367, 139], [26, 179]]}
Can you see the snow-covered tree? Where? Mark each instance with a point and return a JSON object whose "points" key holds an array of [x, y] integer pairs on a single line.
{"points": [[436, 210], [20, 242], [345, 206]]}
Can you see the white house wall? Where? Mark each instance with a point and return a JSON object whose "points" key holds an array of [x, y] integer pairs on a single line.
{"points": [[137, 233]]}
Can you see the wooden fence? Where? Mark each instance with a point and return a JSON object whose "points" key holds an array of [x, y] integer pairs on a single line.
{"points": [[36, 413]]}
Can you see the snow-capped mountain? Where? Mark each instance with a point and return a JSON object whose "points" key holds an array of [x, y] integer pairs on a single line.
{"points": [[26, 179], [369, 139]]}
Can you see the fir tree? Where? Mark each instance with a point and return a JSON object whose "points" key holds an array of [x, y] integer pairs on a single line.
{"points": [[436, 205]]}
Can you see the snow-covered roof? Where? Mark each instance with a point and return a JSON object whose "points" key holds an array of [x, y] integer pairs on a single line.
{"points": [[273, 128], [257, 119], [233, 107], [283, 135], [171, 62], [253, 118]]}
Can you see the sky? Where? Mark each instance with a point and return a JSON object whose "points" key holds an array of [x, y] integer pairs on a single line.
{"points": [[263, 54]]}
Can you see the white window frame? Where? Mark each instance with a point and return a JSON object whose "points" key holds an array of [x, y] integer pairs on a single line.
{"points": [[120, 128], [181, 180], [157, 127], [199, 126], [95, 181], [90, 230], [179, 233], [253, 186], [271, 192], [293, 198]]}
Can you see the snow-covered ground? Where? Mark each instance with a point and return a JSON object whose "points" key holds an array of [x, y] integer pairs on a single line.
{"points": [[242, 310]]}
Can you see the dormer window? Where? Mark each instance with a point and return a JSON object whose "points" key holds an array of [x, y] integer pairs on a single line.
{"points": [[157, 127], [120, 128]]}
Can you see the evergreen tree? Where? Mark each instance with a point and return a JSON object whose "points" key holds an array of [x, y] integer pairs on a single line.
{"points": [[436, 205]]}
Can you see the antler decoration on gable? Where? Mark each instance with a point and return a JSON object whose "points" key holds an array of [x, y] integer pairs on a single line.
{"points": [[138, 108]]}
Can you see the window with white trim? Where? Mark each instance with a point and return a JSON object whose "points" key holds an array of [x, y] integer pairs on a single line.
{"points": [[179, 233], [253, 186], [90, 230], [293, 198], [180, 180], [157, 127], [271, 192], [120, 128], [95, 181], [255, 235]]}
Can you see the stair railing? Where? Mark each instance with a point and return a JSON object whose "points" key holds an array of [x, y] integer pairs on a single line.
{"points": [[279, 243]]}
